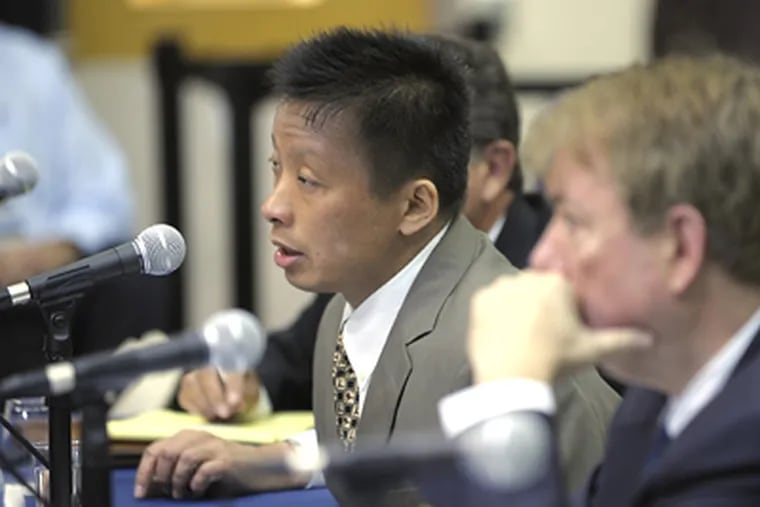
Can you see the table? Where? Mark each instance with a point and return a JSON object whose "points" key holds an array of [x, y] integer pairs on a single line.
{"points": [[123, 480]]}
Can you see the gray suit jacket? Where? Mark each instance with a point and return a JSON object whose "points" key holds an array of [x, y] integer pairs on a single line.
{"points": [[425, 359]]}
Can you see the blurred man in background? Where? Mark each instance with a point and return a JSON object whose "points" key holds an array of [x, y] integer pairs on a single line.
{"points": [[82, 203]]}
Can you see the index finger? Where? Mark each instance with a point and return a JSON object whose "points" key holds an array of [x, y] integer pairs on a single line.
{"points": [[145, 471], [213, 389]]}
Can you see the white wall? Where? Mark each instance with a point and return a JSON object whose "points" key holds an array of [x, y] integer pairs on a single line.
{"points": [[541, 38], [550, 37], [571, 39]]}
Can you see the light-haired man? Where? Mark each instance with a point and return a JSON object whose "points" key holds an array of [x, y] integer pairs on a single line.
{"points": [[651, 264]]}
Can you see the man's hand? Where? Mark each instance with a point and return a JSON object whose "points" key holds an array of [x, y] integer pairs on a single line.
{"points": [[206, 392], [20, 259], [527, 325], [185, 465]]}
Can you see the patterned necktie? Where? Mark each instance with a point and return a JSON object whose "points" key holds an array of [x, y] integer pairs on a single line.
{"points": [[345, 395]]}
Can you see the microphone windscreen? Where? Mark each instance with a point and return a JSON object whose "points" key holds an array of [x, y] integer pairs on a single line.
{"points": [[18, 173], [162, 249], [236, 340]]}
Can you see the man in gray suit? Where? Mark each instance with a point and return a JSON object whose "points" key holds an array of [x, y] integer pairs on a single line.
{"points": [[371, 146]]}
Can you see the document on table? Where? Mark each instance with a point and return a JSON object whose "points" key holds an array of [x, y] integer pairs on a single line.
{"points": [[157, 424]]}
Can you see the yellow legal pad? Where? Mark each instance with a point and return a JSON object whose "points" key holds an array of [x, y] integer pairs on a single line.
{"points": [[156, 424]]}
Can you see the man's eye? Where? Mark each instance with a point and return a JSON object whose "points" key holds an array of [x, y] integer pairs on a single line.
{"points": [[306, 181]]}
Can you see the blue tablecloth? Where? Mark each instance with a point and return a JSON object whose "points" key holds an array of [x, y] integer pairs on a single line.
{"points": [[123, 483]]}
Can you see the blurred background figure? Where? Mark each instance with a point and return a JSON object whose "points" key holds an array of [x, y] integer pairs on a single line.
{"points": [[83, 202], [81, 205], [705, 26]]}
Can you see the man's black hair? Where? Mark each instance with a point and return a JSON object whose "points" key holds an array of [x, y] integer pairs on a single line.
{"points": [[405, 94]]}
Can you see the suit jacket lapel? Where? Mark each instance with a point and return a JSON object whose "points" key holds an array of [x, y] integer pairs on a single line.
{"points": [[322, 388], [416, 319]]}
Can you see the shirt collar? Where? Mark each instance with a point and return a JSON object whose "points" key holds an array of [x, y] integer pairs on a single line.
{"points": [[709, 380], [495, 230], [366, 328]]}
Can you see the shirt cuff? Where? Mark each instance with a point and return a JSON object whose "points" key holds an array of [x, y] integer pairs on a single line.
{"points": [[476, 404], [308, 450]]}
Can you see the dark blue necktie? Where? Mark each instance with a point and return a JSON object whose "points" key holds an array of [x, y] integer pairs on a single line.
{"points": [[659, 444]]}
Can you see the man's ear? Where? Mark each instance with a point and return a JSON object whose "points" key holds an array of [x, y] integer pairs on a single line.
{"points": [[501, 158], [686, 232], [420, 206]]}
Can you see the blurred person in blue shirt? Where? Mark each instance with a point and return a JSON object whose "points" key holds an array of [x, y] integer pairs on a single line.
{"points": [[82, 203]]}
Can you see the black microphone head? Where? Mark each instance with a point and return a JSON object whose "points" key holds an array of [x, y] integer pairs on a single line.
{"points": [[18, 174], [162, 249], [236, 340]]}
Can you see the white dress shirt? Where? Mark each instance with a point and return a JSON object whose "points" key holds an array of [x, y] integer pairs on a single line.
{"points": [[365, 331], [473, 405], [495, 230], [709, 380]]}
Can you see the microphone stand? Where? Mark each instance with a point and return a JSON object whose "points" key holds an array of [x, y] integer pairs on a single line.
{"points": [[94, 449], [57, 315]]}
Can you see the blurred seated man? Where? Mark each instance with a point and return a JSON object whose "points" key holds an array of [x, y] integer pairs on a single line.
{"points": [[649, 264], [82, 202], [81, 205], [370, 152], [494, 203]]}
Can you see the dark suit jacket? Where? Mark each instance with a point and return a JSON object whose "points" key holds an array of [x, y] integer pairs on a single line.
{"points": [[286, 369], [715, 462], [527, 217]]}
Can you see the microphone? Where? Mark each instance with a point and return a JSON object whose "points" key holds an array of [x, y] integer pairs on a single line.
{"points": [[510, 452], [231, 340], [157, 251], [18, 174]]}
